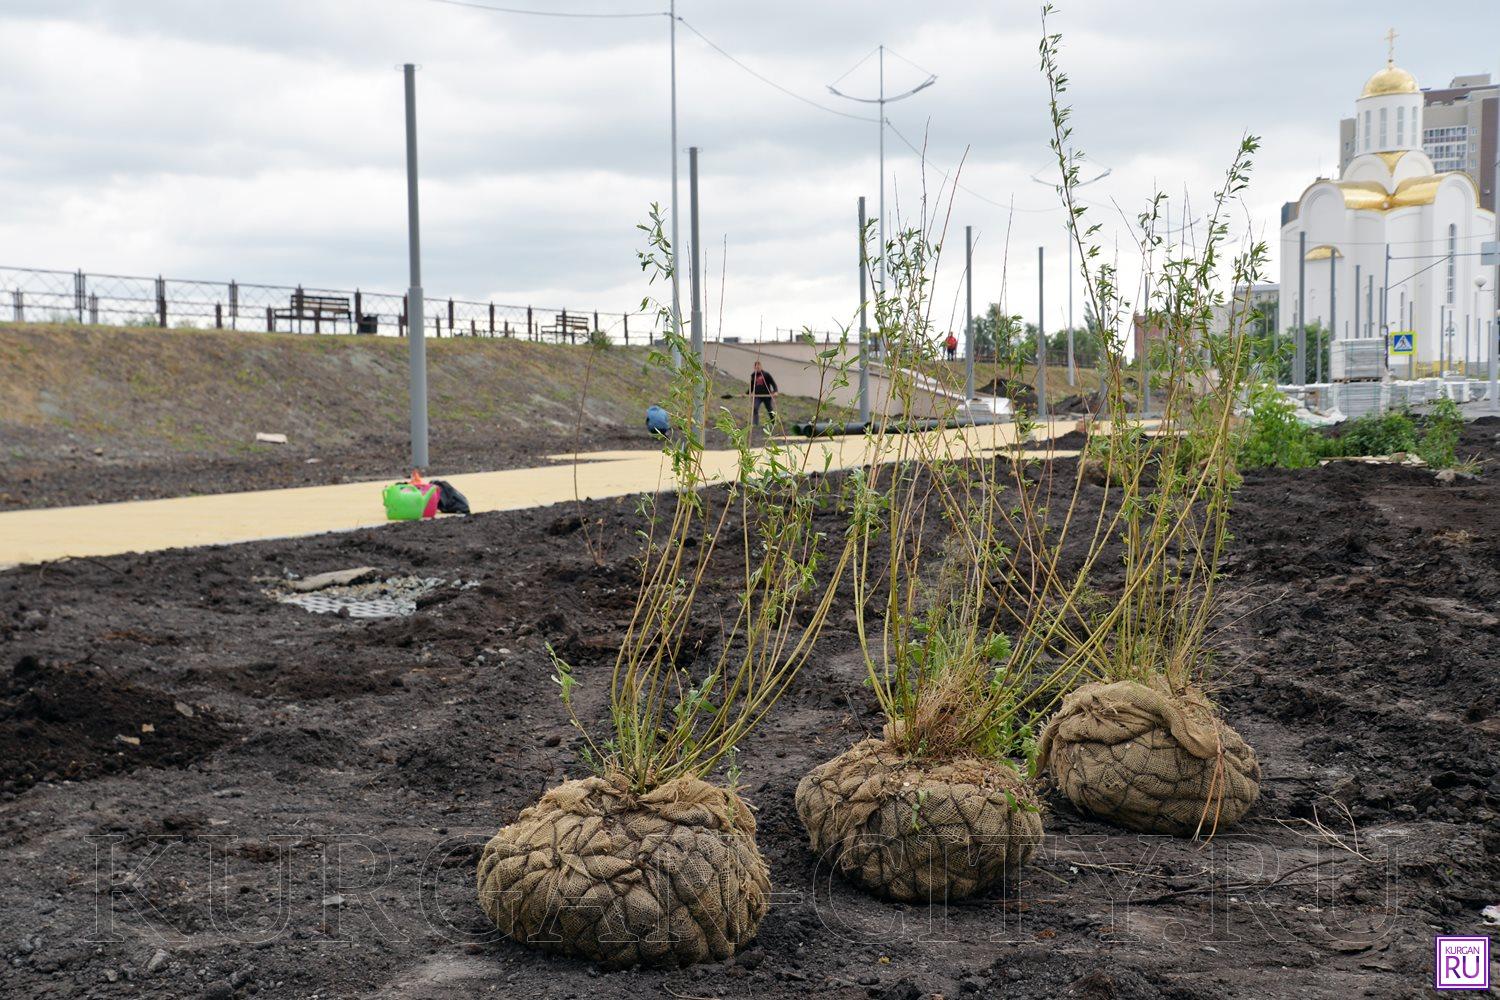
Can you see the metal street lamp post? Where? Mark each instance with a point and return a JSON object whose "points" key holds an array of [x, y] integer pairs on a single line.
{"points": [[416, 343], [676, 247], [1489, 340], [1069, 225], [882, 101]]}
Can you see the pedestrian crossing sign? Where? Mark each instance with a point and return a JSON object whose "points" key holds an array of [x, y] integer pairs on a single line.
{"points": [[1403, 342]]}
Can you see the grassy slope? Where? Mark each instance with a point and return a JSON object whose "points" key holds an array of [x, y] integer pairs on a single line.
{"points": [[209, 392]]}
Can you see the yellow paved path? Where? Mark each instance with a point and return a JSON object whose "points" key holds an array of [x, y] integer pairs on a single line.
{"points": [[32, 536]]}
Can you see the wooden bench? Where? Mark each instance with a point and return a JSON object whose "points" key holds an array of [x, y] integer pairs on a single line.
{"points": [[569, 325], [316, 308]]}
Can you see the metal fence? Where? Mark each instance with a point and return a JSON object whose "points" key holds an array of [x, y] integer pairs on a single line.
{"points": [[40, 296]]}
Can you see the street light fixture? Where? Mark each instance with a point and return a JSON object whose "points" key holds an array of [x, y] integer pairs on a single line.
{"points": [[882, 101]]}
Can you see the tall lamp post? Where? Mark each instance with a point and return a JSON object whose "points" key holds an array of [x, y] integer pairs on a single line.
{"points": [[1312, 303], [1068, 225], [416, 326], [1495, 301], [676, 247], [695, 317], [1486, 336], [882, 101], [1447, 332]]}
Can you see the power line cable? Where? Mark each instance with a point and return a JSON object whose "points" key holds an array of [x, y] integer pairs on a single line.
{"points": [[1422, 270], [1442, 256], [617, 15], [767, 80], [919, 69], [857, 65], [621, 15], [946, 174], [684, 22], [1396, 243]]}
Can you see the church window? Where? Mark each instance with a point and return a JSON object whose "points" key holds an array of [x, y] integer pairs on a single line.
{"points": [[1401, 125], [1382, 128], [1452, 261], [1366, 136]]}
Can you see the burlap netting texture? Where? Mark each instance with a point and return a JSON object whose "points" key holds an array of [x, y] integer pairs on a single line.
{"points": [[670, 877], [914, 830], [1149, 760]]}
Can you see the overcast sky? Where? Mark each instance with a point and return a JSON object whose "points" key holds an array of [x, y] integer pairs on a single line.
{"points": [[262, 140]]}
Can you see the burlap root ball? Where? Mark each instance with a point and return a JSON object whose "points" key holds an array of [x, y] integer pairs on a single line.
{"points": [[1149, 760], [671, 877], [1095, 470], [914, 830]]}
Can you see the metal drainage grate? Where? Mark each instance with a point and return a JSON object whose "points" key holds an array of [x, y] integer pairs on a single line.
{"points": [[378, 607], [393, 598]]}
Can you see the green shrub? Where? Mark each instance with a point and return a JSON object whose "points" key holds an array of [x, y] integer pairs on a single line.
{"points": [[1273, 436], [1439, 443], [1376, 434], [1433, 437]]}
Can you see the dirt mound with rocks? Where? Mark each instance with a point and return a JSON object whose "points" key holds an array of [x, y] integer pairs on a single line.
{"points": [[62, 722]]}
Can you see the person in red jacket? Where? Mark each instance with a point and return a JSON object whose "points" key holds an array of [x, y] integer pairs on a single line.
{"points": [[951, 346], [762, 390]]}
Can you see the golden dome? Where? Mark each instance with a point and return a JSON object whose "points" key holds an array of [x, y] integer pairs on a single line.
{"points": [[1391, 80], [1371, 196], [1417, 191]]}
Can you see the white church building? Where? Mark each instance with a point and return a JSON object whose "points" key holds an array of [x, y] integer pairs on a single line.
{"points": [[1392, 244]]}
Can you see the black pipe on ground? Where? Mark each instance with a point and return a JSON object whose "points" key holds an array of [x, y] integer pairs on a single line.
{"points": [[898, 425]]}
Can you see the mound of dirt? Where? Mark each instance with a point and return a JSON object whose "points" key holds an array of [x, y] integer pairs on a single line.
{"points": [[1020, 394], [60, 722]]}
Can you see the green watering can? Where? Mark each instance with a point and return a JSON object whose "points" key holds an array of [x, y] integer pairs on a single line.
{"points": [[409, 502]]}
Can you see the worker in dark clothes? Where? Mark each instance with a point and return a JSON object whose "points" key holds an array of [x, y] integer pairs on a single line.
{"points": [[762, 390]]}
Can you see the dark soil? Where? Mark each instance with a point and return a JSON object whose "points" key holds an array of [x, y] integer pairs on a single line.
{"points": [[316, 833], [63, 722]]}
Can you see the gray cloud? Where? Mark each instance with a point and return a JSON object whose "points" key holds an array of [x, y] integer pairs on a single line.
{"points": [[263, 141]]}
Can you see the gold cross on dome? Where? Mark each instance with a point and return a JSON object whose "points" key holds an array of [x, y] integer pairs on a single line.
{"points": [[1390, 41]]}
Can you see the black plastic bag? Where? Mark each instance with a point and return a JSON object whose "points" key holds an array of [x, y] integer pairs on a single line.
{"points": [[450, 501]]}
